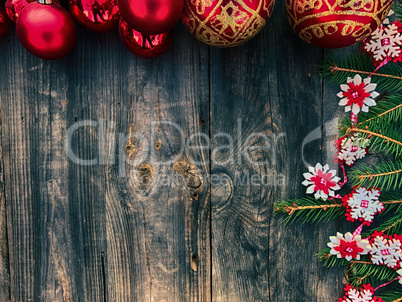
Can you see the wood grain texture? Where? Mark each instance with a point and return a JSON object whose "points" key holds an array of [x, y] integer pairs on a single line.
{"points": [[129, 228]]}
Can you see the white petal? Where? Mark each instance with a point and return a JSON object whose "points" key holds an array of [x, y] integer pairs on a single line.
{"points": [[333, 172], [331, 193], [336, 187], [348, 108], [326, 168], [348, 258], [318, 166], [370, 87], [374, 94], [312, 170], [365, 108], [349, 79], [307, 183], [348, 236], [355, 109], [317, 195], [310, 190], [336, 179], [307, 175], [357, 79], [369, 102], [358, 257], [343, 102], [367, 81], [323, 195], [344, 87]]}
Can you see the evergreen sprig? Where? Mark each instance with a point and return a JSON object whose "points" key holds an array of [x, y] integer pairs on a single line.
{"points": [[309, 209], [390, 226], [388, 110], [389, 79], [365, 272], [392, 295], [386, 176]]}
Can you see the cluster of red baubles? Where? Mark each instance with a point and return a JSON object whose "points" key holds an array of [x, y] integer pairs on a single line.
{"points": [[48, 31]]}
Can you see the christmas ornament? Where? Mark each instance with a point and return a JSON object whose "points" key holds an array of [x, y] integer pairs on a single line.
{"points": [[348, 247], [146, 46], [226, 23], [151, 17], [100, 16], [362, 204], [385, 42], [46, 30], [357, 95], [365, 294], [336, 23], [351, 148], [386, 250], [321, 181], [14, 8], [4, 23]]}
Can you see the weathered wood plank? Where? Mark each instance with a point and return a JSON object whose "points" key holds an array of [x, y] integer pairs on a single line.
{"points": [[154, 228], [4, 253], [272, 84]]}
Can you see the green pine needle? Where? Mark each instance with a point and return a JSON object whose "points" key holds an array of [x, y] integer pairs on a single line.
{"points": [[309, 210], [389, 78], [387, 176], [393, 294]]}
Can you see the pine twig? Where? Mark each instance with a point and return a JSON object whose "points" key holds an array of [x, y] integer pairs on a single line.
{"points": [[335, 68], [371, 133]]}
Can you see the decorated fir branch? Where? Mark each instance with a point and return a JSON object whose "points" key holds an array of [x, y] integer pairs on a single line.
{"points": [[388, 78], [371, 90], [309, 209]]}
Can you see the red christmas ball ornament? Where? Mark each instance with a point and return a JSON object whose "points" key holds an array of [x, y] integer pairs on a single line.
{"points": [[146, 46], [46, 30], [336, 23], [4, 23], [226, 23], [151, 17], [15, 7], [100, 16]]}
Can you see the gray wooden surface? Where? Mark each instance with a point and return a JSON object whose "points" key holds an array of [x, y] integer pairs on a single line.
{"points": [[112, 231]]}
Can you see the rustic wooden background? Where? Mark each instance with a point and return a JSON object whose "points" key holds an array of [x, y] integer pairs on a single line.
{"points": [[70, 232]]}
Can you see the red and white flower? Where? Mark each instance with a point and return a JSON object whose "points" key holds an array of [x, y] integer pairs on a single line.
{"points": [[348, 247], [321, 181], [363, 204], [352, 148], [386, 250], [357, 95], [365, 294]]}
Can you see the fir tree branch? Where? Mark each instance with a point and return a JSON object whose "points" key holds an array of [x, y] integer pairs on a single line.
{"points": [[389, 227], [335, 68], [385, 176], [309, 210], [392, 144], [389, 79], [394, 294]]}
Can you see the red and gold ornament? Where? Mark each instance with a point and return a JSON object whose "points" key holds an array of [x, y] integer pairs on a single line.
{"points": [[146, 46], [46, 30], [151, 17], [336, 23], [226, 23], [4, 23], [100, 16]]}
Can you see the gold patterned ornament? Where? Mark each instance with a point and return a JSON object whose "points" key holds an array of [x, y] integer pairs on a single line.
{"points": [[336, 23], [226, 23]]}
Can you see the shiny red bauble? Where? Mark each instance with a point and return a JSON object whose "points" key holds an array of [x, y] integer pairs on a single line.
{"points": [[146, 46], [226, 23], [15, 7], [4, 23], [151, 17], [46, 31], [100, 16], [336, 23]]}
